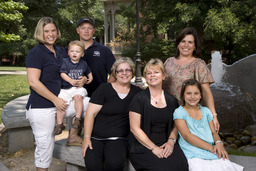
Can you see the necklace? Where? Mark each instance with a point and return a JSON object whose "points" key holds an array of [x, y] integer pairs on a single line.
{"points": [[156, 101]]}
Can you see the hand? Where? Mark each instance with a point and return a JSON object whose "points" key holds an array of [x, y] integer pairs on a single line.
{"points": [[168, 149], [74, 83], [216, 124], [60, 104], [89, 80], [81, 81], [86, 143], [158, 151], [220, 151]]}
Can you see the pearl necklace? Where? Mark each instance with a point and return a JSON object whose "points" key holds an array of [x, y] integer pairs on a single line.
{"points": [[156, 101]]}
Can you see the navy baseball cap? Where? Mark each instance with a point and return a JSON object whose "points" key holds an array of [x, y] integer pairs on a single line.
{"points": [[85, 20]]}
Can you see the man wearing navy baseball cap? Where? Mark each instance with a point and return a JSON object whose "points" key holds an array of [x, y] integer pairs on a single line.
{"points": [[99, 57]]}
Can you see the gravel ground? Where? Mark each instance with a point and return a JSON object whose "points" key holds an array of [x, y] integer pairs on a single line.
{"points": [[23, 160]]}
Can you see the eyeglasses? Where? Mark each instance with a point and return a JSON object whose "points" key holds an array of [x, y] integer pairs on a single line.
{"points": [[121, 71]]}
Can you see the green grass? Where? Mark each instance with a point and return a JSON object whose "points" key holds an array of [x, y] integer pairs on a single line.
{"points": [[11, 87], [10, 68]]}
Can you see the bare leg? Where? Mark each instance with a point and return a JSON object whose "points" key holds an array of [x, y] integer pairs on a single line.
{"points": [[59, 126], [78, 105], [60, 116]]}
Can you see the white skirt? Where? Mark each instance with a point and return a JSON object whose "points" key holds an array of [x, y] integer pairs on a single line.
{"points": [[196, 164]]}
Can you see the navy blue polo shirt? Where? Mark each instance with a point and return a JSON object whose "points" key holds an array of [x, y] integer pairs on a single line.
{"points": [[100, 59], [43, 59]]}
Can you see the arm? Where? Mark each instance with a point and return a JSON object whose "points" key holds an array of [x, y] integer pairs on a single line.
{"points": [[90, 78], [33, 76], [190, 138], [65, 77], [218, 148], [140, 135], [209, 102], [169, 145], [91, 112]]}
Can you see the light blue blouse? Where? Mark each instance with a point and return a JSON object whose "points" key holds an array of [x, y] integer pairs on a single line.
{"points": [[200, 128]]}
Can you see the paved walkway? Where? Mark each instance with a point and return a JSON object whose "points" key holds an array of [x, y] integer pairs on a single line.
{"points": [[13, 72]]}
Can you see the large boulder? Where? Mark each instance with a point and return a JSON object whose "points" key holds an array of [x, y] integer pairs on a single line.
{"points": [[236, 108]]}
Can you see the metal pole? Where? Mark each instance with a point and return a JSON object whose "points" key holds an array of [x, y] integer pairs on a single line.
{"points": [[138, 79]]}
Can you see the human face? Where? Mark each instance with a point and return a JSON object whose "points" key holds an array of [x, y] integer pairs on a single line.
{"points": [[75, 53], [124, 73], [192, 95], [50, 34], [187, 46], [154, 76], [85, 31]]}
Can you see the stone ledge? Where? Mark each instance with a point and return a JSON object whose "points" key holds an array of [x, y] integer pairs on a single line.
{"points": [[249, 163], [20, 134], [3, 167], [73, 157], [69, 154], [14, 113]]}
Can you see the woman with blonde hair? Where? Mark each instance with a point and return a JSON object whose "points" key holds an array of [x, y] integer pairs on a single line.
{"points": [[43, 65], [152, 144]]}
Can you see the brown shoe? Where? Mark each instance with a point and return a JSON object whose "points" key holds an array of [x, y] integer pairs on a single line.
{"points": [[74, 138], [58, 129]]}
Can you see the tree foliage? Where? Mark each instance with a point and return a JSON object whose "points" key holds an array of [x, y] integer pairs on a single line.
{"points": [[224, 25], [65, 12], [10, 17]]}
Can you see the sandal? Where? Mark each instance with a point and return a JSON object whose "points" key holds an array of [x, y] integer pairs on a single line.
{"points": [[58, 129]]}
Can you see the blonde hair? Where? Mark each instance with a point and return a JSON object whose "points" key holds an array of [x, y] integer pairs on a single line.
{"points": [[39, 31], [154, 63], [77, 43], [120, 61]]}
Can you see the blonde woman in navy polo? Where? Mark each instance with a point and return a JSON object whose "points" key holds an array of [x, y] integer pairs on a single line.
{"points": [[43, 65]]}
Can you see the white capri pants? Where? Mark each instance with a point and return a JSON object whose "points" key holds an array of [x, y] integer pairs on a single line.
{"points": [[42, 122]]}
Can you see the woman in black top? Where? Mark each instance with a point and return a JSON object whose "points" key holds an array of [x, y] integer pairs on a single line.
{"points": [[153, 143], [106, 123]]}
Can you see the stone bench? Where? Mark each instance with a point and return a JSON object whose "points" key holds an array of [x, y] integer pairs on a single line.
{"points": [[75, 162], [249, 163], [73, 157], [13, 116]]}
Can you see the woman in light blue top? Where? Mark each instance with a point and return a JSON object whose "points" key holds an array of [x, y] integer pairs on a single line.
{"points": [[199, 141]]}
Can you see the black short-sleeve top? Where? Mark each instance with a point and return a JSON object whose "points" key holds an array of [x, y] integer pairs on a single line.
{"points": [[113, 118], [40, 57]]}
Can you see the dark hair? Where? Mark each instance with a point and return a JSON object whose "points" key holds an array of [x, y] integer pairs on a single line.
{"points": [[183, 33], [190, 82]]}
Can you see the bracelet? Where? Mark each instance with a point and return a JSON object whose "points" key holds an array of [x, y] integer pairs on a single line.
{"points": [[87, 136], [172, 139], [153, 148], [219, 141], [214, 114]]}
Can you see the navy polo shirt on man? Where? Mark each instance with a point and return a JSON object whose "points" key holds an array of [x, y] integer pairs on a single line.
{"points": [[40, 57], [100, 59]]}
